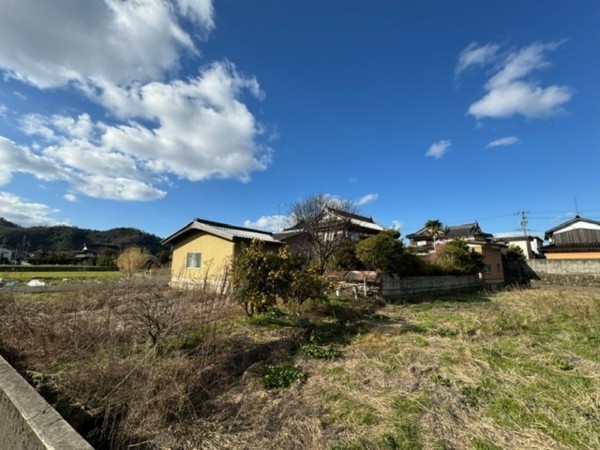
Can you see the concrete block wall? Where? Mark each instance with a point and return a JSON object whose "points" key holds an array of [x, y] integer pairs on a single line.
{"points": [[565, 266], [396, 287], [27, 421]]}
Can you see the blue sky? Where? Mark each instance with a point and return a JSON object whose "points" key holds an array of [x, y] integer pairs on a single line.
{"points": [[149, 113]]}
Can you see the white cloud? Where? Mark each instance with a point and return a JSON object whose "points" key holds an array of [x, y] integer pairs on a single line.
{"points": [[276, 222], [366, 199], [397, 224], [50, 44], [439, 149], [121, 55], [24, 213], [525, 99], [509, 140], [15, 158], [3, 110], [475, 55], [70, 197], [511, 90]]}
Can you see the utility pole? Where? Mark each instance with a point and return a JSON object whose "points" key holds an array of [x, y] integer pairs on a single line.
{"points": [[524, 221]]}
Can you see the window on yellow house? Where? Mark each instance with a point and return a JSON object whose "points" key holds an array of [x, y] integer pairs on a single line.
{"points": [[193, 260]]}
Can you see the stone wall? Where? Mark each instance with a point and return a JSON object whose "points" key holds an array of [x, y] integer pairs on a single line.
{"points": [[27, 422], [408, 287], [570, 272], [565, 266]]}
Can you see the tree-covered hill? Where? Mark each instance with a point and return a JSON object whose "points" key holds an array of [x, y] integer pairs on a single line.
{"points": [[64, 238]]}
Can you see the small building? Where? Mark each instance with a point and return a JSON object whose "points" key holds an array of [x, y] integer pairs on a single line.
{"points": [[578, 238], [531, 245], [90, 252], [203, 250]]}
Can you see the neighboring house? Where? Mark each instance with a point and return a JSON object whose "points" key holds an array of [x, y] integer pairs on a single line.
{"points": [[531, 245], [331, 225], [422, 243], [91, 251], [333, 222], [577, 238], [203, 250]]}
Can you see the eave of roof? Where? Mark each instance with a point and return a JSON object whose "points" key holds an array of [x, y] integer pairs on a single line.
{"points": [[570, 222], [572, 248]]}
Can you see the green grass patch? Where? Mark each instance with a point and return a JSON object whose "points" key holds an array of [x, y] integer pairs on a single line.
{"points": [[347, 411], [281, 376], [318, 352]]}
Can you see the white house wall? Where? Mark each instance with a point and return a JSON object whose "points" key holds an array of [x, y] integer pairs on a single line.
{"points": [[579, 226]]}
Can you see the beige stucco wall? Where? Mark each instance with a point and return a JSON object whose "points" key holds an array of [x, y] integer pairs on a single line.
{"points": [[493, 257], [574, 255], [217, 254]]}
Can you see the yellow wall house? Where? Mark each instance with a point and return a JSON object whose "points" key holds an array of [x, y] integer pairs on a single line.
{"points": [[203, 251]]}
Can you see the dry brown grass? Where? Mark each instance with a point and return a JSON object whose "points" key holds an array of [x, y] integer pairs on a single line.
{"points": [[514, 369]]}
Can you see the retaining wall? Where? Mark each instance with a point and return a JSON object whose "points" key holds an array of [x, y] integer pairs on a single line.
{"points": [[569, 272], [408, 287], [27, 421]]}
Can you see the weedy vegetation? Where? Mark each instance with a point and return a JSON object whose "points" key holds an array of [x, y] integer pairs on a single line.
{"points": [[140, 365]]}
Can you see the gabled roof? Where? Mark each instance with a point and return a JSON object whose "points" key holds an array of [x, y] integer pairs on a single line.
{"points": [[569, 222], [223, 230]]}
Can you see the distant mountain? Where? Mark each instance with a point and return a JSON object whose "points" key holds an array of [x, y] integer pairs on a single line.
{"points": [[6, 224], [66, 239]]}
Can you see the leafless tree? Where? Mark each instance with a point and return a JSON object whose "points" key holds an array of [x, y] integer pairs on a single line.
{"points": [[322, 230]]}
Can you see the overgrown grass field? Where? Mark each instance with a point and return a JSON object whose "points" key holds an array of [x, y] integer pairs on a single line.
{"points": [[515, 369]]}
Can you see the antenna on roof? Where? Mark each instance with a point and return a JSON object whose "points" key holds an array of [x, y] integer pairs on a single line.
{"points": [[576, 206]]}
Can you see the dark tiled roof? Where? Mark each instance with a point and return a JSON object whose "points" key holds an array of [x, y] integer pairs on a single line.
{"points": [[224, 230], [350, 215], [422, 233], [466, 230]]}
